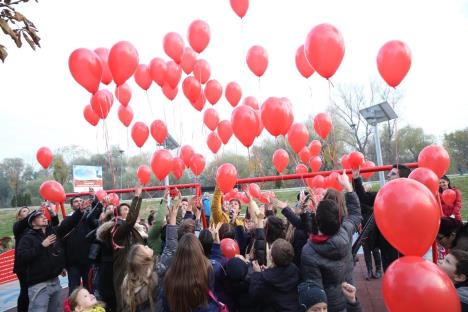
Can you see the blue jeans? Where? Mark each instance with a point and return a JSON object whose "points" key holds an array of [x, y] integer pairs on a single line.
{"points": [[45, 296], [76, 274]]}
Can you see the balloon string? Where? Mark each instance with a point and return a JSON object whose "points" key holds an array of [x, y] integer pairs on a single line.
{"points": [[397, 152], [310, 90], [97, 144], [149, 104], [108, 152]]}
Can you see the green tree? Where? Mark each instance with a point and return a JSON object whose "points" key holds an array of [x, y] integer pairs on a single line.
{"points": [[456, 144], [13, 169], [61, 170]]}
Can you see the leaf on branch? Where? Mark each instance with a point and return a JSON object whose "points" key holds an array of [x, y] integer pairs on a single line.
{"points": [[3, 53], [29, 40], [17, 38], [35, 38], [19, 17], [6, 28]]}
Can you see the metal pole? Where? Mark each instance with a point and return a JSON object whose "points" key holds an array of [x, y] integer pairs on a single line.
{"points": [[378, 152], [166, 183]]}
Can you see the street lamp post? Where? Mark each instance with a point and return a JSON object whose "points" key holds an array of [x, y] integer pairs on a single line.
{"points": [[374, 115]]}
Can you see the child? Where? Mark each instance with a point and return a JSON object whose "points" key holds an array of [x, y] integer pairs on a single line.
{"points": [[81, 300], [312, 298], [275, 289], [455, 265]]}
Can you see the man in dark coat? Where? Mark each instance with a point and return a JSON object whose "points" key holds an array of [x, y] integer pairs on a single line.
{"points": [[389, 253], [326, 256], [41, 251], [77, 246], [275, 289]]}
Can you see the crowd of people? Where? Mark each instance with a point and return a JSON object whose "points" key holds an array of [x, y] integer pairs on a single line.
{"points": [[290, 256]]}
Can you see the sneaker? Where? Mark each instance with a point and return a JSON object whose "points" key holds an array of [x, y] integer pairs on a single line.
{"points": [[369, 276], [378, 274]]}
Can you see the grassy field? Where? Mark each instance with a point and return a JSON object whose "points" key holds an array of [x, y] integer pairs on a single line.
{"points": [[7, 216]]}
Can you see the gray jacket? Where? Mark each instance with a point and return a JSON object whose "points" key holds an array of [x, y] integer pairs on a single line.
{"points": [[330, 262]]}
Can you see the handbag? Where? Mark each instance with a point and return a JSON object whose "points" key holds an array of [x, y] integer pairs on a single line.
{"points": [[222, 307]]}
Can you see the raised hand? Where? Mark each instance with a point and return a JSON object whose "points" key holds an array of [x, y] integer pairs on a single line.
{"points": [[349, 291], [344, 181], [276, 203], [49, 240], [138, 190]]}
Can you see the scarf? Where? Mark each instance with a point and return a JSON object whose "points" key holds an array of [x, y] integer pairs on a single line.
{"points": [[319, 238], [96, 309]]}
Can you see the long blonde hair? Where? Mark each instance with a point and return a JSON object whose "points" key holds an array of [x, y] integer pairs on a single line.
{"points": [[139, 274]]}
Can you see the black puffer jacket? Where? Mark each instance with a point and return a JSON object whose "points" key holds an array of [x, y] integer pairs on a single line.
{"points": [[329, 263], [301, 231], [275, 289], [43, 263]]}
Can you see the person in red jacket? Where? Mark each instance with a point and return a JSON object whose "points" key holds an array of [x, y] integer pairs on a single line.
{"points": [[453, 210]]}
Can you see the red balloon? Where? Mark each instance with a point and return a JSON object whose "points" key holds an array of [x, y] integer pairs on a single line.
{"points": [[226, 177], [103, 54], [101, 103], [199, 35], [211, 118], [113, 199], [252, 102], [52, 191], [244, 198], [173, 74], [192, 88], [178, 167], [86, 68], [44, 156], [304, 155], [315, 147], [144, 174], [415, 284], [158, 131], [324, 49], [125, 115], [186, 152], [316, 182], [254, 190], [140, 133], [301, 168], [161, 163], [298, 136], [280, 159], [436, 158], [290, 115], [213, 91], [417, 216], [123, 93], [355, 159], [224, 131], [173, 45], [315, 163], [302, 64], [199, 103], [101, 195], [275, 116], [213, 142], [233, 93], [229, 248], [322, 125], [394, 62], [158, 70], [143, 77], [426, 177], [240, 7], [170, 92], [197, 164], [449, 196], [189, 57], [345, 162], [244, 123], [123, 61], [260, 123], [368, 175], [202, 70], [90, 115], [257, 60]]}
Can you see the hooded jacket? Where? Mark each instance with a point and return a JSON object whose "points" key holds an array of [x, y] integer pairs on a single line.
{"points": [[44, 263], [121, 237], [275, 289], [328, 263]]}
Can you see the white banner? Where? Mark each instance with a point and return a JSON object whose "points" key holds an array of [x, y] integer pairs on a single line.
{"points": [[85, 177]]}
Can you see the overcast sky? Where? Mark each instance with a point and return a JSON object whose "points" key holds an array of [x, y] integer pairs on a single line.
{"points": [[41, 104]]}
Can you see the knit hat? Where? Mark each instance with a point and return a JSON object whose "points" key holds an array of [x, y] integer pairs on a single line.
{"points": [[310, 293], [236, 269], [33, 216]]}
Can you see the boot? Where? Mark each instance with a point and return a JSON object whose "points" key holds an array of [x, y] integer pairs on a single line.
{"points": [[370, 275], [378, 263]]}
